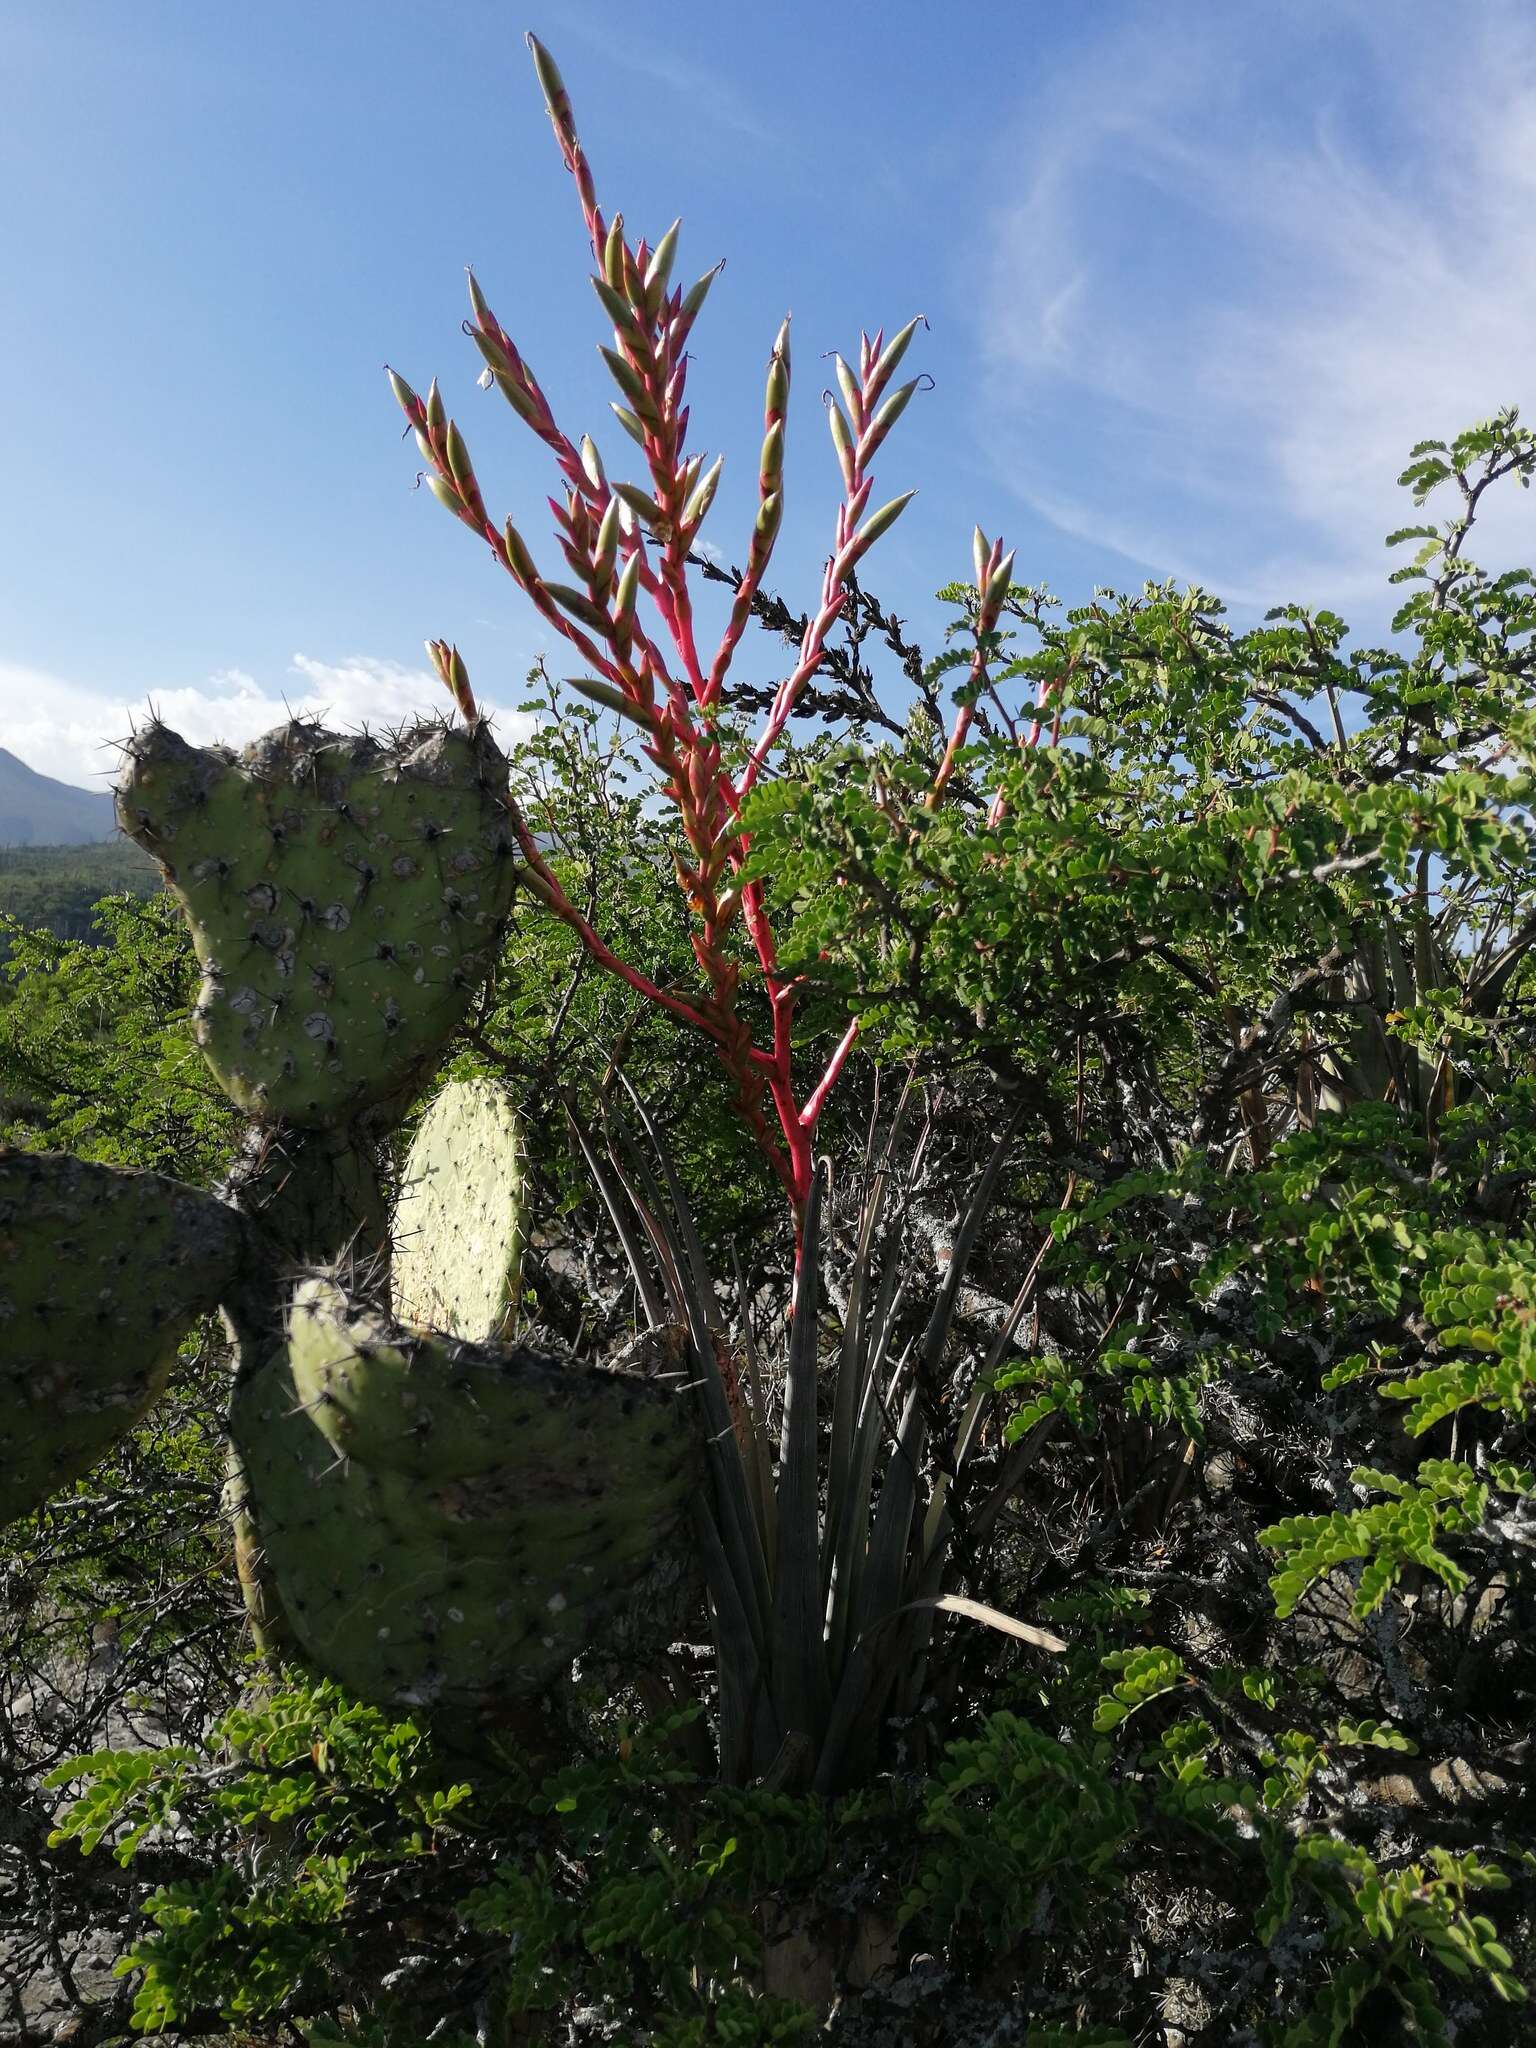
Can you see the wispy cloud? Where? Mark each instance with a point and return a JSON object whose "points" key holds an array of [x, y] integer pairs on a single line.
{"points": [[67, 729], [1240, 270], [710, 95]]}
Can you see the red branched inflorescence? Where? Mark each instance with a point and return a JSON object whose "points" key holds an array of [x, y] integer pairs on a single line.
{"points": [[624, 541]]}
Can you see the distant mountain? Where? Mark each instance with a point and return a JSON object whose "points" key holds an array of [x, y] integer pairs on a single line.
{"points": [[37, 811]]}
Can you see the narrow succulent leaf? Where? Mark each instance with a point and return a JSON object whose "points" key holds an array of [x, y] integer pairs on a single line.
{"points": [[738, 1653], [739, 1528], [863, 1682], [799, 1671], [619, 1216], [759, 1464], [936, 1335], [848, 1395]]}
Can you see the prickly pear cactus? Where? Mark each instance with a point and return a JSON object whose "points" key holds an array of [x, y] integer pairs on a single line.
{"points": [[450, 1524], [458, 1228], [344, 896], [102, 1272]]}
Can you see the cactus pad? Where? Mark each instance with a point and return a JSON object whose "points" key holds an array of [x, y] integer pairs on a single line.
{"points": [[458, 1235], [344, 896], [102, 1272], [447, 1523]]}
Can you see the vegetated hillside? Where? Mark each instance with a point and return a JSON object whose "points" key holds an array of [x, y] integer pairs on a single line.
{"points": [[55, 887], [38, 810]]}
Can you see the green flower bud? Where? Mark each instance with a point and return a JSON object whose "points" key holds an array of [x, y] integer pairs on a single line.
{"points": [[580, 606], [776, 397], [605, 548], [627, 377], [641, 504], [698, 293], [882, 372], [842, 441], [610, 699], [703, 497], [981, 554], [519, 561], [627, 421], [659, 270], [445, 494], [628, 585], [882, 521], [769, 514], [853, 398], [613, 254], [615, 307]]}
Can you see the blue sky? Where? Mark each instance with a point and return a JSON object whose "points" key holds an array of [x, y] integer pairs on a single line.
{"points": [[1196, 274]]}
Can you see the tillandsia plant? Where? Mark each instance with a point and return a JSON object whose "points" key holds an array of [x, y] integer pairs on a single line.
{"points": [[425, 1510], [625, 542]]}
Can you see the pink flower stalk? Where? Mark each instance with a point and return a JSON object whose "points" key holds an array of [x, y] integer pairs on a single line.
{"points": [[623, 541]]}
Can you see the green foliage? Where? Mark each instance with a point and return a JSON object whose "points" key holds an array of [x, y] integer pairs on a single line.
{"points": [[56, 888]]}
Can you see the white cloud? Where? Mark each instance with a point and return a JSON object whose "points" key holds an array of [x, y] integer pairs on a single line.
{"points": [[1242, 268], [67, 729]]}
